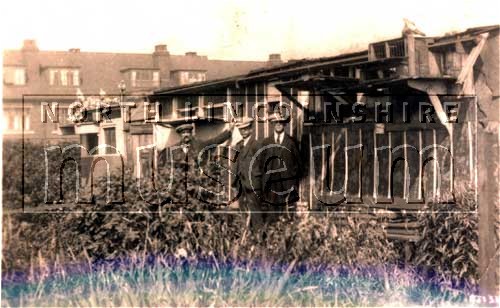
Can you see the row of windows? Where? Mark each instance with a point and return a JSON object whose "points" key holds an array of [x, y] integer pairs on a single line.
{"points": [[70, 77], [57, 77], [14, 76], [64, 77], [13, 120], [187, 77], [145, 78]]}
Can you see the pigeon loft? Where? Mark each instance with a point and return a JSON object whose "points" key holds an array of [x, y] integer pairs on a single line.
{"points": [[401, 57]]}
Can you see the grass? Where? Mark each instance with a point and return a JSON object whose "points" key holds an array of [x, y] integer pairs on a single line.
{"points": [[212, 260], [142, 280]]}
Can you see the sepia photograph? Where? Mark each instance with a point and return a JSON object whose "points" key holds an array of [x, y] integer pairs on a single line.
{"points": [[250, 153]]}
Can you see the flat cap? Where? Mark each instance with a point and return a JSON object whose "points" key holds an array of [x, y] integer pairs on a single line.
{"points": [[184, 127], [279, 119], [244, 122]]}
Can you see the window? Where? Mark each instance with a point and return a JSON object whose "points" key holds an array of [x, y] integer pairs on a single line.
{"points": [[156, 77], [145, 78], [63, 119], [187, 106], [187, 77], [76, 78], [14, 76], [64, 77], [379, 50], [110, 140], [90, 141], [388, 49], [397, 48], [13, 120], [214, 104]]}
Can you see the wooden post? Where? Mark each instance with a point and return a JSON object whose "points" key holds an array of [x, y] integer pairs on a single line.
{"points": [[488, 164], [410, 48], [488, 158]]}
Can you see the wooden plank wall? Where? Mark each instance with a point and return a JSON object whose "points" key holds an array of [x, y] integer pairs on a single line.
{"points": [[354, 163], [395, 166]]}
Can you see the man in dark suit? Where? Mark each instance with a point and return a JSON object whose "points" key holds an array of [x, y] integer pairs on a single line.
{"points": [[281, 168], [248, 174]]}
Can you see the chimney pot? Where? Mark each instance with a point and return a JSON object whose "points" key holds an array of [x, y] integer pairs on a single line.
{"points": [[162, 48], [30, 45], [274, 58]]}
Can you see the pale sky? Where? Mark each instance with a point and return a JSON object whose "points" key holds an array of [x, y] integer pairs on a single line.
{"points": [[245, 30]]}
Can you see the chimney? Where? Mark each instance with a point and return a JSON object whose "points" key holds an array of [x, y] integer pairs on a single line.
{"points": [[191, 53], [161, 61], [74, 50], [161, 49], [29, 45], [274, 59]]}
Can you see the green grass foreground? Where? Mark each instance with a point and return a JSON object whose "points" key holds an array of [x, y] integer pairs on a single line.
{"points": [[188, 281]]}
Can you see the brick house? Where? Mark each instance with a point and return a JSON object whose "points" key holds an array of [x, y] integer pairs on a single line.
{"points": [[56, 76]]}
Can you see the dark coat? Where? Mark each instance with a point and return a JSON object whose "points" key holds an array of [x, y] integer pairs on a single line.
{"points": [[249, 180], [281, 167], [195, 147]]}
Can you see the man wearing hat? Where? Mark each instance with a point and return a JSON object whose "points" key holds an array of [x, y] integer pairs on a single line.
{"points": [[281, 167], [189, 148], [248, 173]]}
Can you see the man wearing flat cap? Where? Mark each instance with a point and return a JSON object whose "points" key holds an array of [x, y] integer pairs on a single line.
{"points": [[189, 148], [248, 173], [281, 168]]}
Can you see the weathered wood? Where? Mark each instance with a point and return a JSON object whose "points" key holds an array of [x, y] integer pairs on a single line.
{"points": [[339, 176], [413, 140], [429, 166], [438, 108], [398, 165], [367, 175], [382, 158], [472, 58], [445, 166], [353, 164], [403, 231], [402, 237], [410, 51]]}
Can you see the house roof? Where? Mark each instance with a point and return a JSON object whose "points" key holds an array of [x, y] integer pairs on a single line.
{"points": [[468, 34], [292, 66], [101, 70]]}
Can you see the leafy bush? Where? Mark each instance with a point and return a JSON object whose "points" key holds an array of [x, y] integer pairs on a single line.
{"points": [[449, 247], [106, 231], [353, 255], [35, 164]]}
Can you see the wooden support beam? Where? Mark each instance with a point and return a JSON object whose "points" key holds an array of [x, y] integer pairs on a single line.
{"points": [[472, 58], [341, 99], [285, 92], [433, 89], [436, 103]]}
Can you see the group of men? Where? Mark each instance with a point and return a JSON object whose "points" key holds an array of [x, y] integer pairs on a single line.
{"points": [[266, 172]]}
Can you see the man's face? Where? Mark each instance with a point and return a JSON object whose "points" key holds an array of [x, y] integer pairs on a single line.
{"points": [[186, 136], [279, 127], [246, 131]]}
